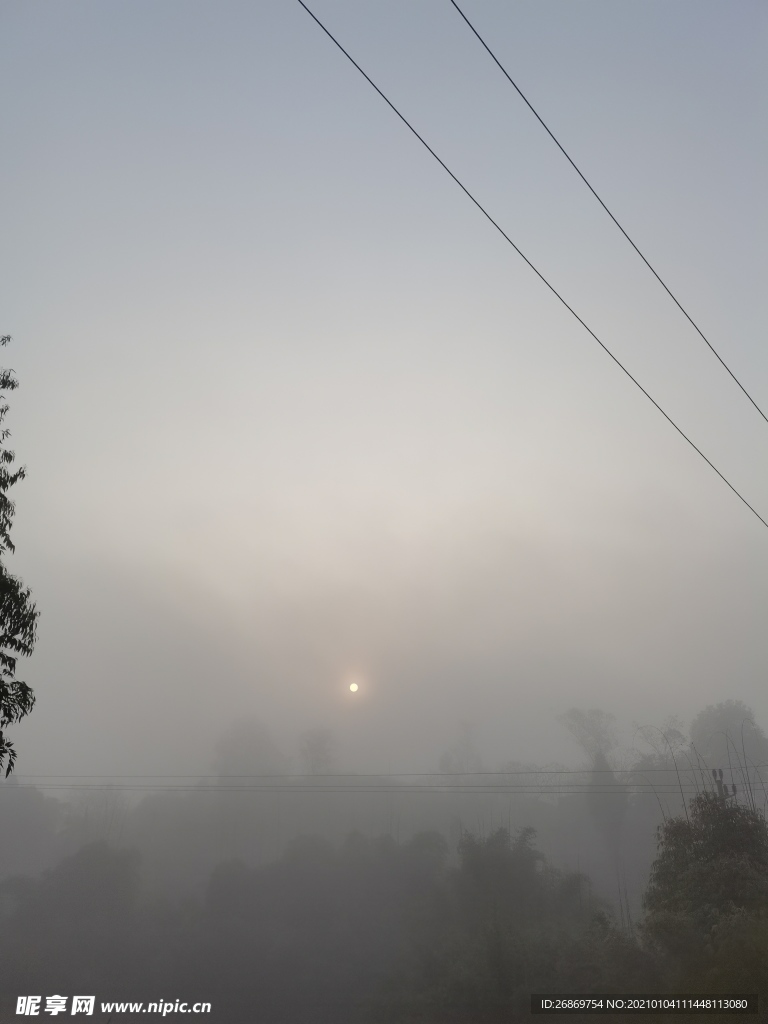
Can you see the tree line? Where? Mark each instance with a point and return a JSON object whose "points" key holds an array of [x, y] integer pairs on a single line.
{"points": [[377, 931]]}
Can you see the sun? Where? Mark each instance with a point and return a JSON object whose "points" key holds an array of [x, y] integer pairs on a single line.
{"points": [[354, 681]]}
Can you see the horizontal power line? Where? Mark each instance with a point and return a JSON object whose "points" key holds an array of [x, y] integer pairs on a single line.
{"points": [[578, 170], [409, 794], [538, 273], [371, 775], [468, 790]]}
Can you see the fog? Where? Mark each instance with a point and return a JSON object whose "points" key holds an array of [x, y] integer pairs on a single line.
{"points": [[294, 416], [285, 881]]}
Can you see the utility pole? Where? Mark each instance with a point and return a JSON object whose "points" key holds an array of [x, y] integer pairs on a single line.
{"points": [[722, 787]]}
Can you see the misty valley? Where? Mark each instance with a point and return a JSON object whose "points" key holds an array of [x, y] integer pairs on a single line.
{"points": [[283, 886], [383, 597]]}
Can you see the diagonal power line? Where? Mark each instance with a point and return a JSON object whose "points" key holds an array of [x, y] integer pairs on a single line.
{"points": [[536, 271], [573, 164]]}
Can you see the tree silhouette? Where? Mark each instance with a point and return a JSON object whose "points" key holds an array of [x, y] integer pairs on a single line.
{"points": [[707, 901], [18, 614], [593, 730], [727, 735], [318, 752]]}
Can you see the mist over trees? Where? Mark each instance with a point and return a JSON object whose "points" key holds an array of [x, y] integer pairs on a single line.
{"points": [[18, 614], [288, 886], [393, 443], [708, 895]]}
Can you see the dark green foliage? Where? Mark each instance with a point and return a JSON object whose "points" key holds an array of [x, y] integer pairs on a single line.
{"points": [[727, 735], [707, 902], [18, 615], [369, 931], [608, 802], [317, 932], [508, 925], [74, 927]]}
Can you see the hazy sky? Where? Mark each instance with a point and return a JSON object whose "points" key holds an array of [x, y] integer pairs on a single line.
{"points": [[291, 408]]}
